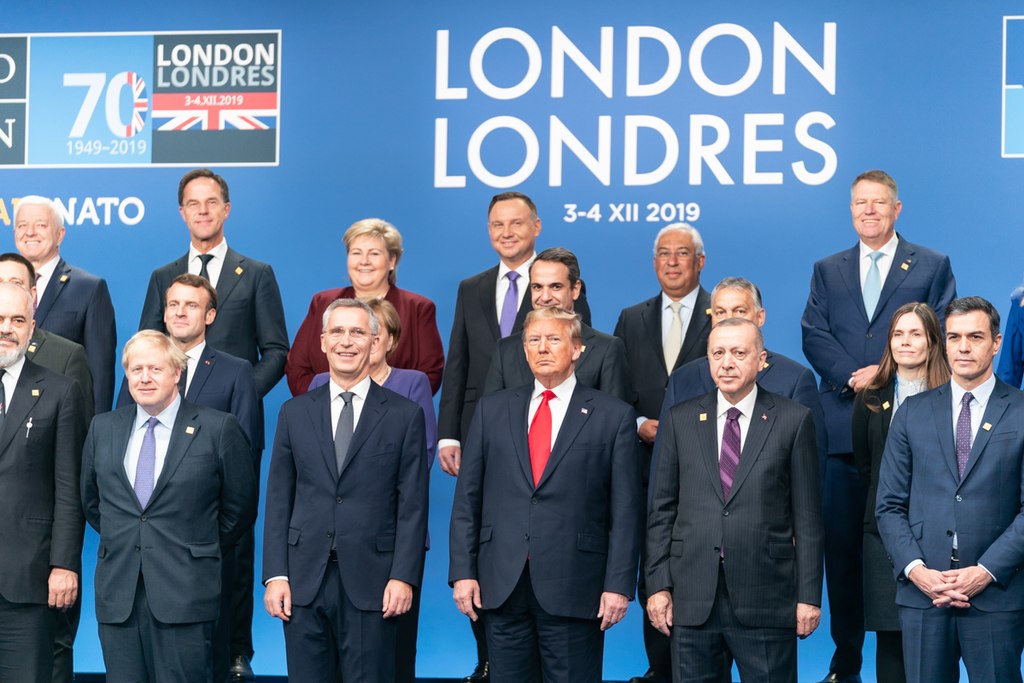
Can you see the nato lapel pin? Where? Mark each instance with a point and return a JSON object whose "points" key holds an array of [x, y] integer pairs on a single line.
{"points": [[190, 430], [703, 417]]}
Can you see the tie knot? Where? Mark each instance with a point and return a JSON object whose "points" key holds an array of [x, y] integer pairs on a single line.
{"points": [[512, 276], [968, 397], [875, 255], [206, 258], [346, 396], [547, 396], [675, 306], [733, 414], [152, 422]]}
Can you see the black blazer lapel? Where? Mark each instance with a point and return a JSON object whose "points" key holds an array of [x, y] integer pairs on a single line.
{"points": [[650, 317], [902, 264], [706, 430], [700, 321], [487, 292], [186, 426], [374, 409], [586, 352], [320, 416], [60, 277], [120, 436], [760, 427], [230, 274], [26, 395], [204, 368], [942, 414], [578, 412]]}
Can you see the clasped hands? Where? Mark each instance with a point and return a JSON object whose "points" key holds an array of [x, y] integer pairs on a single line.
{"points": [[953, 587]]}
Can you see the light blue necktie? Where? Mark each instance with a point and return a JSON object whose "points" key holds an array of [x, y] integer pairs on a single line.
{"points": [[872, 285], [146, 467]]}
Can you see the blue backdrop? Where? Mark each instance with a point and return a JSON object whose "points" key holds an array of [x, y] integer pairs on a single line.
{"points": [[750, 119]]}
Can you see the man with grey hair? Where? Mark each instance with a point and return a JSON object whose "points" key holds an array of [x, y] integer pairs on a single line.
{"points": [[72, 302], [346, 516], [661, 334], [43, 420]]}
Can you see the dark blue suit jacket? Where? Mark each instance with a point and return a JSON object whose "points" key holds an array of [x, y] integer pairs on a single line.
{"points": [[225, 383], [580, 526], [838, 337], [922, 500], [76, 305], [375, 513], [1011, 359]]}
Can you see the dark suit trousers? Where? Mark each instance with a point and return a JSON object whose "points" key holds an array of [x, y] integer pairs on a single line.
{"points": [[528, 645], [934, 641], [64, 642], [26, 642], [330, 636], [843, 502], [656, 643], [144, 650], [700, 653], [407, 630]]}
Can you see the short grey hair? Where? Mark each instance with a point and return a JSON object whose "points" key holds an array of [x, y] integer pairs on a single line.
{"points": [[698, 241], [351, 303], [741, 284], [36, 200]]}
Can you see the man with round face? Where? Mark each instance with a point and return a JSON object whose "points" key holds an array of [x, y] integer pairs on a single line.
{"points": [[715, 542], [955, 455], [853, 296], [72, 303], [361, 513], [567, 469]]}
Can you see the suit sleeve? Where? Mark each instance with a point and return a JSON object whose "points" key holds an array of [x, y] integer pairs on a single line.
{"points": [[893, 501], [271, 332], [806, 394], [1005, 556], [152, 307], [1011, 360], [808, 527], [280, 500], [239, 495], [245, 406], [78, 369], [615, 379], [823, 351], [496, 372], [943, 290], [100, 341], [299, 367], [413, 505], [861, 439], [663, 508], [90, 495], [467, 505], [456, 370], [625, 510], [68, 518]]}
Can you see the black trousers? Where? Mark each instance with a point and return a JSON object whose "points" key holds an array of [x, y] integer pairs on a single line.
{"points": [[26, 642]]}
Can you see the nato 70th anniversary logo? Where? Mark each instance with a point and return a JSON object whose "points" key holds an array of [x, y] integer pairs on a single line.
{"points": [[134, 99]]}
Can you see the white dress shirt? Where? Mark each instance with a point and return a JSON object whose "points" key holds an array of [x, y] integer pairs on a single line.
{"points": [[193, 355], [884, 261], [559, 405], [216, 264], [746, 408], [44, 274], [685, 313], [10, 380], [162, 434], [359, 397]]}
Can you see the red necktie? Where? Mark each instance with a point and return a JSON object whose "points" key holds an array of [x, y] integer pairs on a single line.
{"points": [[540, 437]]}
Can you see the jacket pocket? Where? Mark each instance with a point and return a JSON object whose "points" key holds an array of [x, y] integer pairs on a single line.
{"points": [[293, 535], [385, 544], [204, 549], [485, 533], [592, 543]]}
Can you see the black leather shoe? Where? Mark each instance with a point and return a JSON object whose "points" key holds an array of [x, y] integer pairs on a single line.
{"points": [[241, 670], [651, 676], [481, 674], [833, 677]]}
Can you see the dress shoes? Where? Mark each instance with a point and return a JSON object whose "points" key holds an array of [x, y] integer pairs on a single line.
{"points": [[481, 674], [651, 676], [241, 670], [833, 677]]}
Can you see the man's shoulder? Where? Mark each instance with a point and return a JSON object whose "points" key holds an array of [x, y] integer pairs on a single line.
{"points": [[250, 262], [36, 373], [786, 364], [838, 257], [597, 337], [638, 309], [78, 275], [227, 361], [920, 251], [783, 406], [55, 343], [478, 280], [600, 399]]}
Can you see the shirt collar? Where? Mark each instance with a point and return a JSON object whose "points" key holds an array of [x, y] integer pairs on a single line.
{"points": [[523, 270], [981, 393], [218, 252], [196, 351], [14, 369], [46, 270], [563, 391], [166, 417], [745, 406], [688, 301], [889, 248], [360, 389]]}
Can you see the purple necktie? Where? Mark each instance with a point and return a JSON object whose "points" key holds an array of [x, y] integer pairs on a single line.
{"points": [[963, 433], [730, 459], [146, 466], [510, 307]]}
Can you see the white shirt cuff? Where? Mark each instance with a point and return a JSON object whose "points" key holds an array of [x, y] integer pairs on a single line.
{"points": [[444, 443], [275, 578], [910, 567]]}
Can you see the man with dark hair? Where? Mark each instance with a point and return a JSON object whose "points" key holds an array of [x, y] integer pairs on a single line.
{"points": [[949, 512], [250, 323]]}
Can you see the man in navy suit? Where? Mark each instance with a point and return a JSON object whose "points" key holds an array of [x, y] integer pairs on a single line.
{"points": [[949, 512], [346, 517], [545, 520], [167, 484], [853, 296], [71, 302]]}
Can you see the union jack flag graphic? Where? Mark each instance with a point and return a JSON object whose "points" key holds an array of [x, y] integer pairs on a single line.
{"points": [[215, 111]]}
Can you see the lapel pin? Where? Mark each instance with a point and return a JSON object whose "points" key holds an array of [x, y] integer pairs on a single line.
{"points": [[584, 411], [583, 350], [206, 362], [64, 278], [238, 270], [885, 405], [764, 416], [707, 311], [703, 417], [905, 266], [35, 392], [32, 348], [987, 426], [764, 366], [190, 430]]}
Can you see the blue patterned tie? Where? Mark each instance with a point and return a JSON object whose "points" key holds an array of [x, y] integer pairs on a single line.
{"points": [[729, 462], [872, 285], [963, 433], [146, 466], [510, 306]]}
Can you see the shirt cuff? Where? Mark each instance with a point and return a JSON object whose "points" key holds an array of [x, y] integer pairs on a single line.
{"points": [[988, 572], [275, 578], [910, 567], [640, 421], [444, 443]]}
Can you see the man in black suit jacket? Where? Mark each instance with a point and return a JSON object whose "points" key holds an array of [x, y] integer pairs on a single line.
{"points": [[734, 530], [167, 484], [346, 517], [545, 521], [42, 424], [73, 303], [555, 283], [661, 334]]}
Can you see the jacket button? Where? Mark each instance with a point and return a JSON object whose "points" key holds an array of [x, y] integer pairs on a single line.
{"points": [[959, 499], [138, 547], [533, 500], [870, 335], [338, 500], [526, 537], [330, 534], [143, 518], [725, 513], [949, 532]]}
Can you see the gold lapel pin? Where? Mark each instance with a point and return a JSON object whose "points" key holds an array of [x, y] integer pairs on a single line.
{"points": [[32, 348], [885, 405], [583, 349], [987, 426], [905, 266], [238, 270], [64, 278], [190, 430], [764, 366], [36, 392], [707, 311], [584, 411], [703, 417]]}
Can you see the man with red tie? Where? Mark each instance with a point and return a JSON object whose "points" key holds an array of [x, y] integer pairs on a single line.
{"points": [[546, 518]]}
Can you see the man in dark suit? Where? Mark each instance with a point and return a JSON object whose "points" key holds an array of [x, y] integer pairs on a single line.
{"points": [[734, 529], [346, 517], [853, 296], [167, 484], [555, 283], [545, 521], [57, 354], [71, 302], [949, 512], [42, 424], [661, 334]]}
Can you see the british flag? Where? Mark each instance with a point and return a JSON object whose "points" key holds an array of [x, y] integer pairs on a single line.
{"points": [[215, 111]]}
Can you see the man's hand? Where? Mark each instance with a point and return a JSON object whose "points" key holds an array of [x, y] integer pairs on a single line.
{"points": [[807, 619], [397, 598], [659, 611], [277, 599], [860, 378], [930, 582], [63, 588], [466, 593], [612, 609], [648, 430], [450, 458], [962, 585]]}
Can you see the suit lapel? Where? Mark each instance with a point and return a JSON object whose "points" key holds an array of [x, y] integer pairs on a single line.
{"points": [[120, 436], [204, 368], [60, 277], [230, 274], [578, 412], [886, 396], [374, 409], [586, 352], [902, 264], [997, 405], [183, 432], [518, 416], [760, 426], [942, 415], [706, 429], [26, 394], [488, 292], [321, 417], [35, 344], [850, 272], [700, 319]]}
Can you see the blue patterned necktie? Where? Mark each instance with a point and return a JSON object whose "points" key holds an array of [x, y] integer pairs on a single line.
{"points": [[510, 306], [963, 433], [146, 467]]}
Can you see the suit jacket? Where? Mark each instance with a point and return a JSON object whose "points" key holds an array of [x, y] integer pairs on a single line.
{"points": [[579, 527], [41, 521], [375, 513], [870, 430], [225, 383], [1011, 359], [838, 337], [601, 366], [419, 347], [639, 327], [205, 498], [250, 320], [769, 529], [475, 331], [76, 305], [64, 357], [922, 501]]}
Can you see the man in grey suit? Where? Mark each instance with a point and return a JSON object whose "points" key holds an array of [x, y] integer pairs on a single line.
{"points": [[949, 512], [167, 484], [734, 531]]}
